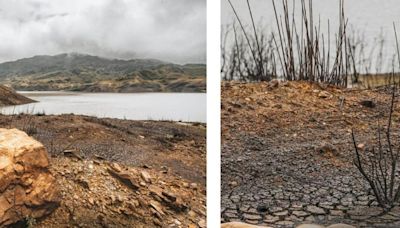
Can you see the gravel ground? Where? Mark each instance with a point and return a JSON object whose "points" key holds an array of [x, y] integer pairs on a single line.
{"points": [[287, 155]]}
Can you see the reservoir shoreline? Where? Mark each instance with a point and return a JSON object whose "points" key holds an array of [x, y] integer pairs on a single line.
{"points": [[179, 107]]}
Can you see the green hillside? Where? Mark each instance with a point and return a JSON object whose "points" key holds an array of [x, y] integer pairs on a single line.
{"points": [[78, 72]]}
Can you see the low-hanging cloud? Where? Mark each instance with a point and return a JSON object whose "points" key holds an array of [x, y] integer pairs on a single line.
{"points": [[171, 30]]}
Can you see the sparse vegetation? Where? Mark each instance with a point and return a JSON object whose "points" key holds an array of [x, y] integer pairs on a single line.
{"points": [[379, 165], [300, 50]]}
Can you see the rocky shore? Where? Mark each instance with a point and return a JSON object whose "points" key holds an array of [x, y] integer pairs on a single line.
{"points": [[114, 173], [9, 97]]}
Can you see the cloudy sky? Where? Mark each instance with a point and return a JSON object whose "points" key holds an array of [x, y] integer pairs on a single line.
{"points": [[367, 18], [170, 30], [358, 10]]}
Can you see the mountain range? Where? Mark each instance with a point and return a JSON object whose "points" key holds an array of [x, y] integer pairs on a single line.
{"points": [[81, 72]]}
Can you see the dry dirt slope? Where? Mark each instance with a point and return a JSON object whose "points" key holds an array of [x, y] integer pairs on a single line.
{"points": [[9, 97], [287, 154], [96, 193], [122, 173]]}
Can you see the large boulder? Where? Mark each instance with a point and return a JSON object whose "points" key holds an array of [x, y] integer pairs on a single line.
{"points": [[27, 188]]}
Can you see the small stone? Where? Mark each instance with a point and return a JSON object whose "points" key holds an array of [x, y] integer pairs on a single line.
{"points": [[233, 183], [193, 186], [177, 222], [169, 195], [361, 146], [113, 198], [116, 167], [156, 205], [146, 176], [18, 168], [273, 83], [324, 94], [202, 223]]}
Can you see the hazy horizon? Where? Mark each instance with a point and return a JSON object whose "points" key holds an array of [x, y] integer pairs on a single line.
{"points": [[100, 56], [171, 31]]}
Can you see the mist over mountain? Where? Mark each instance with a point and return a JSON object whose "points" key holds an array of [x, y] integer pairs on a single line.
{"points": [[173, 31], [74, 63]]}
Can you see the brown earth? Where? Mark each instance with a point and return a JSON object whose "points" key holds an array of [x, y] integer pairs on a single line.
{"points": [[9, 97], [135, 85], [84, 152], [96, 193], [287, 154], [376, 80]]}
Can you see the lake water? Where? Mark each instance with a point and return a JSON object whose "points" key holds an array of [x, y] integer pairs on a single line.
{"points": [[187, 107]]}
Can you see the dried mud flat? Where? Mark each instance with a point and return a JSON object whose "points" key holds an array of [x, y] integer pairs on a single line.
{"points": [[287, 154], [121, 173]]}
